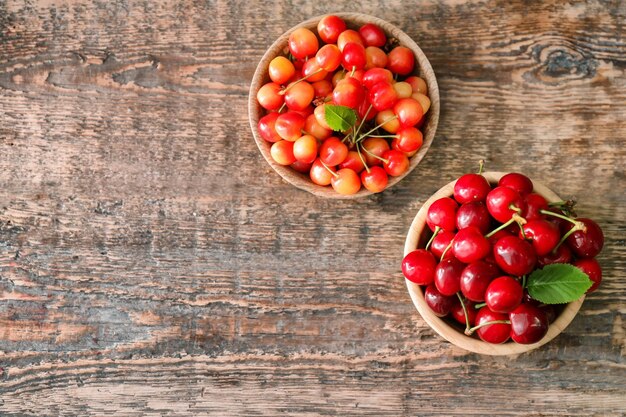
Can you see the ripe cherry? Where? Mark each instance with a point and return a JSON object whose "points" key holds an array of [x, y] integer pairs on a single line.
{"points": [[519, 182], [448, 276], [503, 202], [534, 203], [590, 267], [305, 149], [313, 72], [375, 58], [328, 57], [353, 56], [329, 28], [403, 89], [459, 315], [373, 150], [299, 96], [333, 151], [289, 125], [529, 324], [419, 267], [409, 112], [353, 161], [320, 174], [418, 85], [281, 70], [346, 182], [401, 60], [475, 279], [388, 121], [395, 163], [269, 98], [563, 255], [376, 75], [348, 92], [312, 127], [504, 294], [470, 245], [441, 242], [544, 235], [471, 187], [267, 127], [302, 167], [409, 139], [586, 243], [492, 333], [282, 152], [375, 180], [473, 214], [373, 35], [514, 256], [442, 214], [382, 96], [440, 304], [303, 43]]}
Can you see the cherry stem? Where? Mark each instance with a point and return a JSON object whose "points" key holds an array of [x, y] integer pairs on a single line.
{"points": [[358, 129], [437, 230], [467, 323], [358, 150], [446, 250], [375, 156], [568, 203], [469, 332], [577, 226], [383, 136], [284, 90], [353, 70], [523, 281], [479, 305], [514, 218], [282, 108], [378, 126], [560, 216], [481, 166], [329, 170]]}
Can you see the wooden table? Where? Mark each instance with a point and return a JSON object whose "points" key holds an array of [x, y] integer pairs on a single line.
{"points": [[152, 264]]}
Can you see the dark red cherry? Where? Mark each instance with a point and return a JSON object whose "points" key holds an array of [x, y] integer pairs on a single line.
{"points": [[529, 324], [562, 256], [492, 333], [502, 202], [441, 242], [544, 235], [519, 182], [442, 213], [440, 304], [471, 187], [534, 203], [587, 243], [470, 245], [448, 276], [549, 311], [494, 238], [475, 279], [527, 299], [459, 315], [419, 267], [473, 214], [504, 294], [590, 267], [514, 256]]}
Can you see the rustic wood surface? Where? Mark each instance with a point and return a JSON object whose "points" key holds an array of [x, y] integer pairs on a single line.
{"points": [[151, 262]]}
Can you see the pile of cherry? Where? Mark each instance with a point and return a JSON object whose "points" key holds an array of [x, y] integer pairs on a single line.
{"points": [[486, 242], [347, 113]]}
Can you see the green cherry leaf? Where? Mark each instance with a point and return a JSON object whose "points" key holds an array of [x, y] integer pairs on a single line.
{"points": [[340, 118], [558, 284]]}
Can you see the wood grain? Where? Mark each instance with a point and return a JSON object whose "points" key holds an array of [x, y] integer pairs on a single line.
{"points": [[152, 263]]}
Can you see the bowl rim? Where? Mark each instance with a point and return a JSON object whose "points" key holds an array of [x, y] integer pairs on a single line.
{"points": [[444, 329], [423, 69]]}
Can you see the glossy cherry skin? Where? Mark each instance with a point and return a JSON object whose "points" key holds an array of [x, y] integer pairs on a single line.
{"points": [[471, 187], [375, 180], [448, 276], [459, 315], [267, 127], [401, 60], [588, 243], [382, 96], [419, 267], [519, 182], [535, 203], [514, 256], [396, 163], [473, 214], [475, 279], [492, 241], [500, 203], [504, 294], [376, 75], [329, 28], [529, 324], [590, 267], [441, 242], [440, 304], [333, 151], [373, 35], [353, 56], [563, 255], [492, 333], [346, 181], [442, 213], [348, 92], [544, 235], [470, 245]]}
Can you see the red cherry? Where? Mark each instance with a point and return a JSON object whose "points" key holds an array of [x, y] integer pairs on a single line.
{"points": [[448, 276], [329, 28], [475, 279], [382, 96], [471, 187], [267, 127], [529, 324], [348, 92], [328, 57], [503, 202], [470, 245], [440, 304], [373, 35], [396, 163], [543, 234], [587, 243], [333, 151], [419, 267], [442, 213], [590, 267], [302, 167], [376, 75], [409, 139], [353, 161], [562, 256], [504, 294], [401, 60], [459, 315], [353, 56], [492, 333], [320, 174], [535, 203], [346, 182], [514, 256], [441, 242], [409, 111], [473, 214], [375, 180], [519, 182]]}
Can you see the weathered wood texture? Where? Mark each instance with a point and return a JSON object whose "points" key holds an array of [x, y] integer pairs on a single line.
{"points": [[151, 263]]}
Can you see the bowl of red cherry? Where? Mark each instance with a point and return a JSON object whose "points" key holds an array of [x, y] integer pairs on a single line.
{"points": [[344, 105], [498, 264]]}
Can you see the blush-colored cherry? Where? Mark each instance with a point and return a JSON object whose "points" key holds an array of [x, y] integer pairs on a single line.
{"points": [[471, 187], [440, 304], [519, 182], [475, 214], [544, 235], [503, 202], [448, 276], [475, 279], [495, 333], [442, 214], [514, 256], [470, 245], [504, 294], [419, 267], [586, 243], [590, 267], [529, 324]]}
